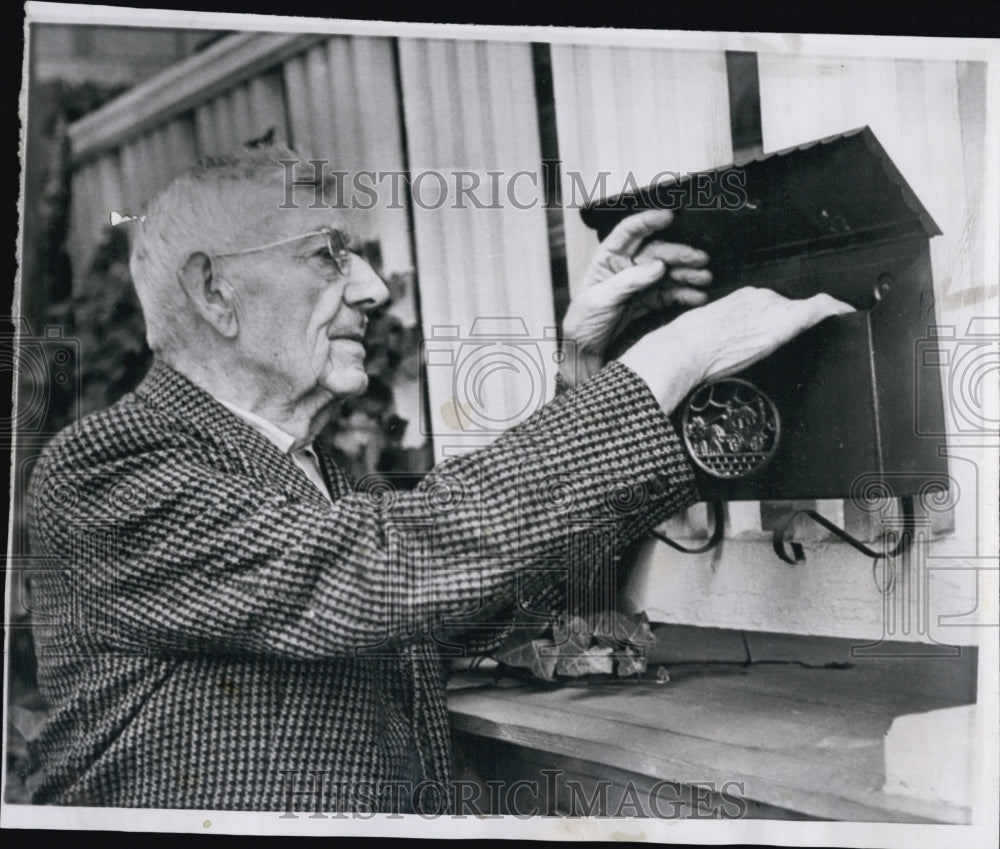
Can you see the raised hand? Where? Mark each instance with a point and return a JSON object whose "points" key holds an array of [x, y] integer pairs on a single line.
{"points": [[626, 265]]}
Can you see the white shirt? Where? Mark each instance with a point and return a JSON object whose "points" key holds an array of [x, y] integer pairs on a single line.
{"points": [[304, 456]]}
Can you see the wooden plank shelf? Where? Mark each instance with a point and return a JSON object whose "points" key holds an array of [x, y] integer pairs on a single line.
{"points": [[805, 740]]}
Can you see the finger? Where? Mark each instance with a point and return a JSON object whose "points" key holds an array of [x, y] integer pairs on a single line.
{"points": [[823, 306], [673, 254], [618, 289], [618, 262], [691, 276], [630, 233], [684, 296]]}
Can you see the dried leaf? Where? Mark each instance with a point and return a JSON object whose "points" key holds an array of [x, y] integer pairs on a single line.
{"points": [[537, 655], [595, 661]]}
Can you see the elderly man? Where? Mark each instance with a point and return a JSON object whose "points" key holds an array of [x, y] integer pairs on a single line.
{"points": [[228, 623]]}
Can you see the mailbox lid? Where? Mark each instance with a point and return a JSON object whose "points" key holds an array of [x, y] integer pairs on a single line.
{"points": [[839, 191]]}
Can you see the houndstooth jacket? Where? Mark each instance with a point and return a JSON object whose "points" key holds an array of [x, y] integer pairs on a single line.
{"points": [[213, 634]]}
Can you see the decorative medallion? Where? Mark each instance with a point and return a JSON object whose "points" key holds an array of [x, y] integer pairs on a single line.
{"points": [[730, 428]]}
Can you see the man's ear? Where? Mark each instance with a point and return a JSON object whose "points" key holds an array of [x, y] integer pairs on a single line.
{"points": [[212, 298]]}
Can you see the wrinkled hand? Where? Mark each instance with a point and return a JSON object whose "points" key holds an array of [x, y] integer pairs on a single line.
{"points": [[624, 266], [722, 338]]}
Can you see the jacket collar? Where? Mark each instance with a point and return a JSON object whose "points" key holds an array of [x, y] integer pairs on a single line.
{"points": [[175, 396], [270, 431]]}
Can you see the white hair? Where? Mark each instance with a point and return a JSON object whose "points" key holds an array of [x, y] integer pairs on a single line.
{"points": [[205, 209]]}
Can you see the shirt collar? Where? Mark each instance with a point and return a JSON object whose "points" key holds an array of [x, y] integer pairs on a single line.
{"points": [[270, 431]]}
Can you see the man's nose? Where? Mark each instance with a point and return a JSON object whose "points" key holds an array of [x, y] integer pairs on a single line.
{"points": [[365, 290]]}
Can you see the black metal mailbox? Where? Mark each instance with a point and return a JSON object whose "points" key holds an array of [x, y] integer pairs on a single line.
{"points": [[832, 216]]}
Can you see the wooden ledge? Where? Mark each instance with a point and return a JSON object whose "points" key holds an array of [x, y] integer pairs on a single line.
{"points": [[807, 740]]}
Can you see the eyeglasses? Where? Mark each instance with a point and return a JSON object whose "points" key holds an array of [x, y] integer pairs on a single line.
{"points": [[335, 244]]}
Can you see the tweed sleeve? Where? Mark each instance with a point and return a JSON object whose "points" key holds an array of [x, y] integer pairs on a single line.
{"points": [[170, 552]]}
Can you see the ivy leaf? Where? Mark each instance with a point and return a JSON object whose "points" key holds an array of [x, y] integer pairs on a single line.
{"points": [[572, 636], [630, 663], [612, 628], [607, 643], [537, 655], [595, 661]]}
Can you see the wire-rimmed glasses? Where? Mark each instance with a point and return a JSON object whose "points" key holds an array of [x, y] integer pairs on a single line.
{"points": [[339, 254]]}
